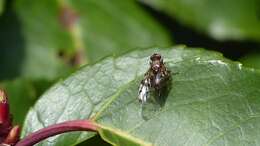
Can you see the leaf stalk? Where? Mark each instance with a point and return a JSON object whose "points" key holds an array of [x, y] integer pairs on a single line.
{"points": [[75, 125]]}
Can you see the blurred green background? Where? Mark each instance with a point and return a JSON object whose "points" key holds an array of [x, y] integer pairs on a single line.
{"points": [[44, 41]]}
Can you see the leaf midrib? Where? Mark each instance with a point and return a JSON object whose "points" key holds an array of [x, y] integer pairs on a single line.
{"points": [[110, 101]]}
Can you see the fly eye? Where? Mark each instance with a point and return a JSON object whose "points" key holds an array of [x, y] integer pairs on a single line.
{"points": [[155, 57]]}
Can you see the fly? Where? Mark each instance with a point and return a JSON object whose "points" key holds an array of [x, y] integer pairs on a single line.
{"points": [[154, 79]]}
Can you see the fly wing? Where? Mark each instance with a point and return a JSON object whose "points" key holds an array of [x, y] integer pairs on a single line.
{"points": [[143, 91]]}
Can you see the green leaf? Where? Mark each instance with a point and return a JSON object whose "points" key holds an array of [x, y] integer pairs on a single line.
{"points": [[45, 43], [115, 27], [212, 101], [222, 20], [2, 5], [251, 60], [22, 95], [30, 41]]}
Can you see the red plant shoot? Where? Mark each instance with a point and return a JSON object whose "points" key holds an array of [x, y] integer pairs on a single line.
{"points": [[9, 135]]}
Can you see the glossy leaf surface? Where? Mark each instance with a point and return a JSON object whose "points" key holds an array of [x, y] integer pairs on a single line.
{"points": [[211, 101]]}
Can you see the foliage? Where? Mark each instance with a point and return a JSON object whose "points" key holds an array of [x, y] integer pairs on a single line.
{"points": [[43, 49], [222, 19], [211, 100]]}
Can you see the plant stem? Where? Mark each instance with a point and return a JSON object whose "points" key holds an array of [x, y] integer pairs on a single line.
{"points": [[76, 125]]}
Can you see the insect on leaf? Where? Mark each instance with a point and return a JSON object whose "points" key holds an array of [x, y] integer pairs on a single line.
{"points": [[212, 101]]}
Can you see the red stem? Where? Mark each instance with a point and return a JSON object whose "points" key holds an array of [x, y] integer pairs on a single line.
{"points": [[76, 125]]}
